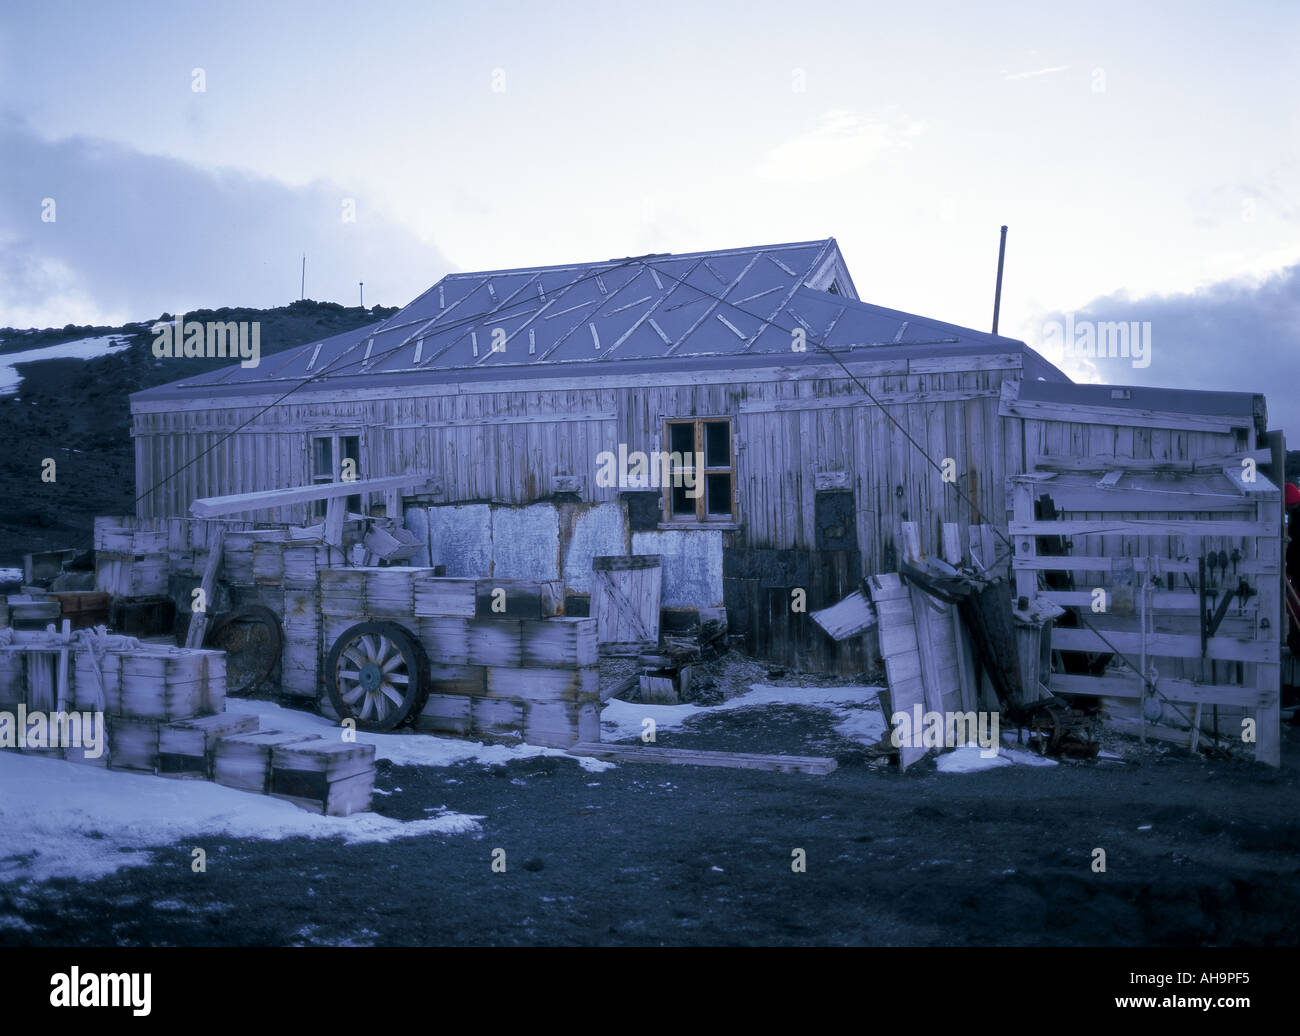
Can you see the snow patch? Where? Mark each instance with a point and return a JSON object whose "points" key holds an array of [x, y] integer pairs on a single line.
{"points": [[61, 819], [81, 349], [969, 759]]}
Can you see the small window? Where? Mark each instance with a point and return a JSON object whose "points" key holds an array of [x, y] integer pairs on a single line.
{"points": [[701, 469], [334, 456]]}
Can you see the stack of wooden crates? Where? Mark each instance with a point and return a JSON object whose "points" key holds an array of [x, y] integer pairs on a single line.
{"points": [[503, 662]]}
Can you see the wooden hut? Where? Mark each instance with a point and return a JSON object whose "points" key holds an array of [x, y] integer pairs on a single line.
{"points": [[795, 425]]}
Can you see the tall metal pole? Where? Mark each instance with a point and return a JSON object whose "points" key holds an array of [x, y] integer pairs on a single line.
{"points": [[302, 288], [362, 285], [997, 292]]}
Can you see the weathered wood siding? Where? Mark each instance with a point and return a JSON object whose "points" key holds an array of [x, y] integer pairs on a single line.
{"points": [[505, 446]]}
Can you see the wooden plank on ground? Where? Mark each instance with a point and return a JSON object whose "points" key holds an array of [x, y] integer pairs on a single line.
{"points": [[680, 756]]}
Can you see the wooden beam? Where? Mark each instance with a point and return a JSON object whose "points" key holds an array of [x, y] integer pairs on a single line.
{"points": [[1130, 417], [1079, 563], [199, 620], [1143, 527], [1093, 498], [679, 756], [1099, 463], [240, 503], [1130, 687], [1167, 645], [777, 406]]}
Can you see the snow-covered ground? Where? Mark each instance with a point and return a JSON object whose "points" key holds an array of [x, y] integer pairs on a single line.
{"points": [[61, 819], [81, 349]]}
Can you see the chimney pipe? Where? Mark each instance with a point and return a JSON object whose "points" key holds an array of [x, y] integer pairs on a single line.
{"points": [[997, 292]]}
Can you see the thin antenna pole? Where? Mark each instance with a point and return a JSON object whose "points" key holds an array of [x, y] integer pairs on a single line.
{"points": [[362, 284], [997, 292]]}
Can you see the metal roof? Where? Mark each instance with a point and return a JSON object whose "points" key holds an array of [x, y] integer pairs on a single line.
{"points": [[1145, 397], [731, 308]]}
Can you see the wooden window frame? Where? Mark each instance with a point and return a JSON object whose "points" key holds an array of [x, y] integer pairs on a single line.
{"points": [[316, 511], [701, 515]]}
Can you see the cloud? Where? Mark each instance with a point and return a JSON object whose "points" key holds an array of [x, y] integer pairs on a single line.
{"points": [[1035, 73], [135, 235], [841, 142], [1239, 335]]}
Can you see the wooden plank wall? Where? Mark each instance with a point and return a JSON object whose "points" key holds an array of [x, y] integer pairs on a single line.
{"points": [[506, 446]]}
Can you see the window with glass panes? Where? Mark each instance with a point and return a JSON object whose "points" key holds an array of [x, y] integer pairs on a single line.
{"points": [[328, 452], [712, 498]]}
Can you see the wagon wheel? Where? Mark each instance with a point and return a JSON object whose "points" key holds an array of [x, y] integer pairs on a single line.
{"points": [[252, 641], [375, 675]]}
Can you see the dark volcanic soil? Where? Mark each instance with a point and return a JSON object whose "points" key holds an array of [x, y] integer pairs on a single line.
{"points": [[78, 412], [688, 855]]}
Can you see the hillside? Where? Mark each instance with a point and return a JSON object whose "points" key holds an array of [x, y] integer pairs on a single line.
{"points": [[77, 412]]}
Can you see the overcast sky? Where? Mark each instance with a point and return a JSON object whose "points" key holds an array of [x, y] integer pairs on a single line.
{"points": [[1147, 162]]}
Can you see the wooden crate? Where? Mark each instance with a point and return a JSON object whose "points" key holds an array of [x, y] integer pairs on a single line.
{"points": [[87, 693], [543, 685], [494, 642], [561, 724], [518, 598], [268, 562], [445, 639], [559, 642], [244, 760], [496, 718], [302, 565], [457, 679], [130, 575], [186, 748], [172, 685], [133, 743], [446, 714], [443, 595], [330, 777], [13, 678], [389, 592]]}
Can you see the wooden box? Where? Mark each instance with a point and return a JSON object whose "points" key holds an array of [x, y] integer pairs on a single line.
{"points": [[457, 679], [521, 599], [442, 595], [494, 642], [544, 685], [496, 718], [244, 760], [446, 714], [186, 748], [561, 725], [559, 642], [132, 743], [445, 639], [331, 777]]}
